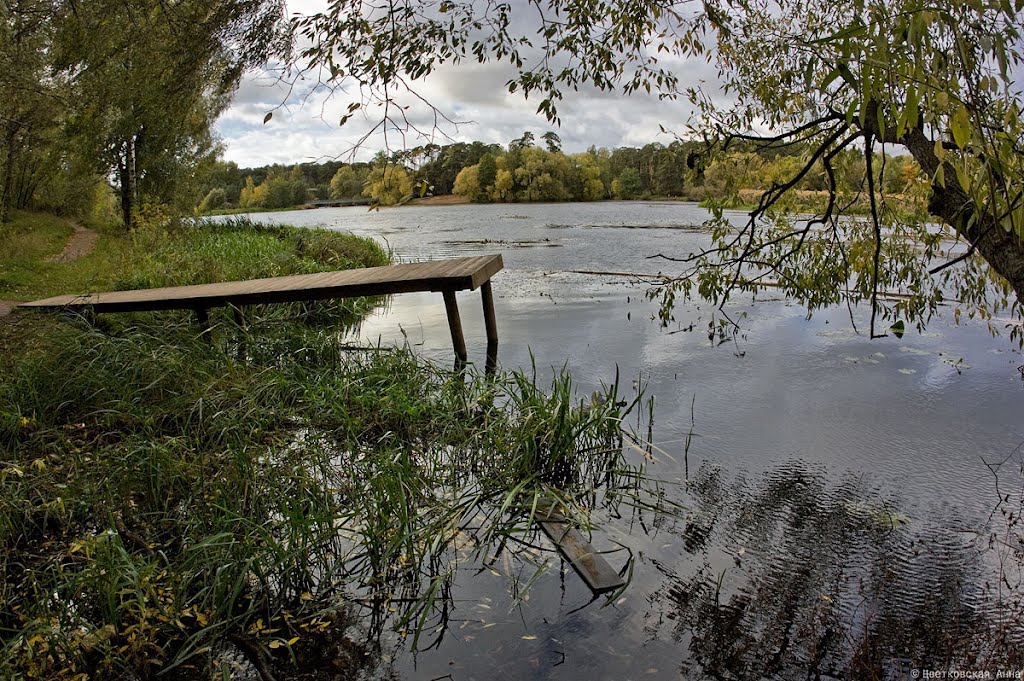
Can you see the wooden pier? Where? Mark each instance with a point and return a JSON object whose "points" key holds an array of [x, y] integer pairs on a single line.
{"points": [[445, 276]]}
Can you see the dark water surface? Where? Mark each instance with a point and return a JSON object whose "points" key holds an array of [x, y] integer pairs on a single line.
{"points": [[844, 514]]}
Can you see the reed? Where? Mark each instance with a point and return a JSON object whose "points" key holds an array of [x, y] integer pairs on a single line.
{"points": [[166, 506]]}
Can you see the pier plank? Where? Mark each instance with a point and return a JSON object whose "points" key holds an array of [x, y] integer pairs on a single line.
{"points": [[445, 276], [437, 275]]}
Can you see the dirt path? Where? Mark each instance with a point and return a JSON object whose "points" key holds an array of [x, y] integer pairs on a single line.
{"points": [[80, 244]]}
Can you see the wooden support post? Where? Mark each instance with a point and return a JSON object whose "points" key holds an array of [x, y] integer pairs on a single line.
{"points": [[491, 324], [203, 317], [455, 324], [491, 363]]}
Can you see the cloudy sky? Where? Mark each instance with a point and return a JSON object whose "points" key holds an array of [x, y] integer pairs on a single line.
{"points": [[304, 126]]}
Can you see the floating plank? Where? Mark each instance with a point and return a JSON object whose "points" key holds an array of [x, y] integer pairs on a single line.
{"points": [[457, 274], [589, 564]]}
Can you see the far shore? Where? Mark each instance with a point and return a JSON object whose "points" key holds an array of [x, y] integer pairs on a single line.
{"points": [[746, 199], [442, 200]]}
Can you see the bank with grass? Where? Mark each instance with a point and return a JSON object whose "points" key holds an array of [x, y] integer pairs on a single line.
{"points": [[171, 506]]}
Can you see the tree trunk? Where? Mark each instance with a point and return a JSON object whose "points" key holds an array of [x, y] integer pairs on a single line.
{"points": [[126, 172], [6, 193], [1004, 251]]}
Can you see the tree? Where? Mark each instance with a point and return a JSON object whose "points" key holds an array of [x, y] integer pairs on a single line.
{"points": [[388, 184], [936, 80], [345, 183], [502, 184], [591, 188], [447, 161], [467, 182], [669, 171], [284, 191], [627, 185], [488, 171], [215, 199], [150, 78], [523, 142], [29, 102], [552, 141]]}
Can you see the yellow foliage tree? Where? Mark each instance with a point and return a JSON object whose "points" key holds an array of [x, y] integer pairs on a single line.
{"points": [[388, 185]]}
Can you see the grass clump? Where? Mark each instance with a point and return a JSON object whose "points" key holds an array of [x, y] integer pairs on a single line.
{"points": [[166, 507]]}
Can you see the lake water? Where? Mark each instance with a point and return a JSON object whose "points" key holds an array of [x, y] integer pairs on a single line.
{"points": [[844, 513]]}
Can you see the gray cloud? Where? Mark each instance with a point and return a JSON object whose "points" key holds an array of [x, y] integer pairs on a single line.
{"points": [[475, 95]]}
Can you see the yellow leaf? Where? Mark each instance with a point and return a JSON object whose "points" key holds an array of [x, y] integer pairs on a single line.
{"points": [[960, 126], [276, 643], [293, 641], [306, 596], [12, 470], [529, 638], [202, 619]]}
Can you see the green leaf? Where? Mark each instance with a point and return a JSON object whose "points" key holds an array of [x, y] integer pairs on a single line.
{"points": [[266, 119], [827, 80], [912, 107], [898, 328], [960, 126]]}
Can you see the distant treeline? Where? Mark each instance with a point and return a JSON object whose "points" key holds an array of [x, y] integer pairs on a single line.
{"points": [[531, 170]]}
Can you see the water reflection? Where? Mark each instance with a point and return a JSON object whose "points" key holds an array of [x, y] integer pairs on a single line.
{"points": [[791, 575], [830, 580]]}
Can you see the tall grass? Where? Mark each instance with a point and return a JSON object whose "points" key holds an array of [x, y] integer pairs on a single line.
{"points": [[201, 252], [164, 505], [183, 252]]}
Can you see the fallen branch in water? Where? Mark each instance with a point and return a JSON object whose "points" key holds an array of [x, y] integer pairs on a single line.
{"points": [[637, 275]]}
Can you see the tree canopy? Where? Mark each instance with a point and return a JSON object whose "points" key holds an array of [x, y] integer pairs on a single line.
{"points": [[124, 92], [935, 82]]}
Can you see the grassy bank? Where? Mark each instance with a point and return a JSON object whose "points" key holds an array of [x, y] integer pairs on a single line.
{"points": [[178, 253], [235, 210], [165, 506], [171, 506]]}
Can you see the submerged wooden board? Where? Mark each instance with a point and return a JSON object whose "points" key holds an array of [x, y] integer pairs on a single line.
{"points": [[456, 274], [589, 564]]}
